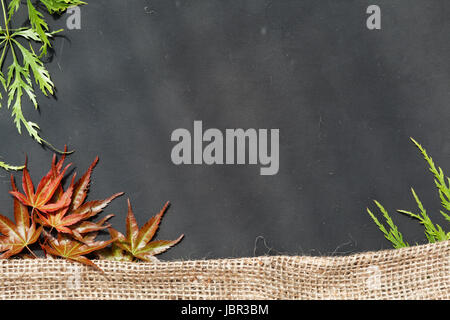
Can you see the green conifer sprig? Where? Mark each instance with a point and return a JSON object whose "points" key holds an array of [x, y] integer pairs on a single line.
{"points": [[433, 232], [393, 235]]}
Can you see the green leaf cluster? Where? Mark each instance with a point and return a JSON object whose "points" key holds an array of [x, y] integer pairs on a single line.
{"points": [[25, 64], [433, 232]]}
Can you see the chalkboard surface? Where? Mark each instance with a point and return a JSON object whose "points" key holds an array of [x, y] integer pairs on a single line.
{"points": [[345, 99]]}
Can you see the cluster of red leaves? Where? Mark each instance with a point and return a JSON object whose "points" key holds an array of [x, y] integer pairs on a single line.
{"points": [[69, 215]]}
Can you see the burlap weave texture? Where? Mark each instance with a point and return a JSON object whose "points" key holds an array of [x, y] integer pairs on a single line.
{"points": [[421, 272]]}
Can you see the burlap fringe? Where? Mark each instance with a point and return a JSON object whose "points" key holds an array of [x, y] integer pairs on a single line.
{"points": [[420, 272]]}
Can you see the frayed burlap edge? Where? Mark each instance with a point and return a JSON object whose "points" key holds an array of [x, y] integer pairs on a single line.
{"points": [[421, 272]]}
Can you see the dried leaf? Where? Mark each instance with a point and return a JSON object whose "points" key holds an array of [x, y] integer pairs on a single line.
{"points": [[137, 242], [17, 236], [70, 218], [41, 199], [73, 250], [88, 226], [114, 253], [82, 187]]}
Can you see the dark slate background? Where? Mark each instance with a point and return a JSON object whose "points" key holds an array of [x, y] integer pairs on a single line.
{"points": [[345, 99]]}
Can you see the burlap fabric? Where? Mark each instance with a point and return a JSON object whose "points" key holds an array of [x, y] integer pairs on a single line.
{"points": [[421, 272]]}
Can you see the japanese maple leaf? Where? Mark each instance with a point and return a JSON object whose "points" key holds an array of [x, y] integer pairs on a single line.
{"points": [[87, 209], [17, 236], [73, 250], [90, 209], [71, 218], [82, 187], [85, 227], [57, 219], [114, 253], [41, 199], [137, 242]]}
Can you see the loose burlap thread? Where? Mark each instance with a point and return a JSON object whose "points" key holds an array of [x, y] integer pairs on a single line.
{"points": [[421, 272]]}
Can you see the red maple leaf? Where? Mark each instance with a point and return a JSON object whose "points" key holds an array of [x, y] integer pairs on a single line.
{"points": [[41, 199], [17, 236]]}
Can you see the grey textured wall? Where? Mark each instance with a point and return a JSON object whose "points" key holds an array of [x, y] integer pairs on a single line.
{"points": [[345, 99]]}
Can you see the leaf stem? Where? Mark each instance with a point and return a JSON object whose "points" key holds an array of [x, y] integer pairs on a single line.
{"points": [[34, 255], [56, 149], [32, 215], [8, 36], [46, 238], [4, 18]]}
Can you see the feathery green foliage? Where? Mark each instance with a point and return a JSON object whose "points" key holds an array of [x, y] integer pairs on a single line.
{"points": [[433, 232], [393, 235], [10, 167], [26, 64]]}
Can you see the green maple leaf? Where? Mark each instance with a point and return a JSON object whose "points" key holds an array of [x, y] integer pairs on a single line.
{"points": [[137, 242]]}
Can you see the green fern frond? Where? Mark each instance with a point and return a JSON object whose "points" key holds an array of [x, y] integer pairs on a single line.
{"points": [[26, 64]]}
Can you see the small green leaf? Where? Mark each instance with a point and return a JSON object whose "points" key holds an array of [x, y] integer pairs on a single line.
{"points": [[40, 73], [13, 7], [10, 167], [59, 6], [39, 26]]}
